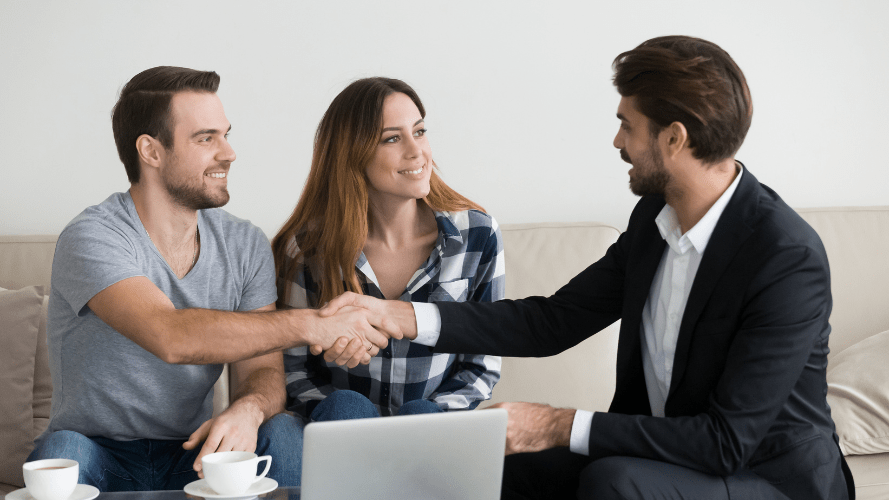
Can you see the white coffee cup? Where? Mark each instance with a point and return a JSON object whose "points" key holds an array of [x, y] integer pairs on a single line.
{"points": [[51, 479], [232, 472]]}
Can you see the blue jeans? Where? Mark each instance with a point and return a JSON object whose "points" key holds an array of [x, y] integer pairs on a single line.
{"points": [[151, 464], [347, 405]]}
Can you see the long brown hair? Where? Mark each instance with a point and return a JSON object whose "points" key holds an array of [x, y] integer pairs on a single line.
{"points": [[329, 222]]}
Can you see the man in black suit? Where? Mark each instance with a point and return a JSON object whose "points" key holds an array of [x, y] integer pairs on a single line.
{"points": [[723, 293]]}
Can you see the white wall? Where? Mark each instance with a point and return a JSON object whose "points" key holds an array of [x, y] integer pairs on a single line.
{"points": [[519, 98]]}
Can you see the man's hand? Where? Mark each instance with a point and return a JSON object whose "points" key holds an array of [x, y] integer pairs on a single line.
{"points": [[394, 318], [397, 319], [235, 429], [351, 334], [347, 352], [536, 427]]}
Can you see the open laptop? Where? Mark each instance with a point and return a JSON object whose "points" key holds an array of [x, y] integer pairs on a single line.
{"points": [[437, 456]]}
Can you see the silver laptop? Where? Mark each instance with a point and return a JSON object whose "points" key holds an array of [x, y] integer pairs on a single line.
{"points": [[437, 456]]}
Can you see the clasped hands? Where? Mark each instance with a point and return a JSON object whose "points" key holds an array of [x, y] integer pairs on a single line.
{"points": [[352, 328]]}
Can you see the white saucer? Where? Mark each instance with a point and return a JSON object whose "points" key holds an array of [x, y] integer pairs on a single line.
{"points": [[201, 488], [81, 492]]}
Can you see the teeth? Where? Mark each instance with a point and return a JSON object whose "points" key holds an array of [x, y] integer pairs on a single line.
{"points": [[412, 171], [217, 175]]}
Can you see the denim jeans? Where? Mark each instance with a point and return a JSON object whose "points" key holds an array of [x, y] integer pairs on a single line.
{"points": [[150, 464], [347, 405]]}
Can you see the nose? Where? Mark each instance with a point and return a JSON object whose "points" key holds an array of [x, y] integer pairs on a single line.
{"points": [[226, 152], [618, 140], [412, 148]]}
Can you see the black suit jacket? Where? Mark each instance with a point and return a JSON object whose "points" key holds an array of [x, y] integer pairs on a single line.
{"points": [[749, 374]]}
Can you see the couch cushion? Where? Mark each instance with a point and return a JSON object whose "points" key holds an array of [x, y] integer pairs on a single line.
{"points": [[858, 394], [856, 240], [26, 260], [869, 472], [542, 257], [20, 318]]}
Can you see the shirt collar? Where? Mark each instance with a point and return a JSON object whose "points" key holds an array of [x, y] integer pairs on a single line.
{"points": [[447, 229], [699, 235], [447, 226]]}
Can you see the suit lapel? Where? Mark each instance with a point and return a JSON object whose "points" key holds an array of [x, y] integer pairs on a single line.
{"points": [[647, 250], [734, 226], [642, 269]]}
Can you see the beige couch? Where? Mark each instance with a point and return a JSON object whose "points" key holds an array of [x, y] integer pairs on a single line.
{"points": [[540, 257]]}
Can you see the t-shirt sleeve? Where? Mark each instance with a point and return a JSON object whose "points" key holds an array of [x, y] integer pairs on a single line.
{"points": [[259, 283], [91, 256]]}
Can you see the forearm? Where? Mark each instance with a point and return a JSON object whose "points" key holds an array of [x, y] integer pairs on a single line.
{"points": [[560, 426], [531, 327], [263, 393], [205, 336]]}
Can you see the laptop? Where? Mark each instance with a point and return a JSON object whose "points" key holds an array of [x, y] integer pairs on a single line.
{"points": [[435, 456]]}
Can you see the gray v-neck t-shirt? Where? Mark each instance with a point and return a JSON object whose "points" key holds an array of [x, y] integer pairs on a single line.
{"points": [[104, 385]]}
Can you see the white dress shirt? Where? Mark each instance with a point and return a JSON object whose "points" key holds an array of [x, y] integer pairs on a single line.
{"points": [[661, 316]]}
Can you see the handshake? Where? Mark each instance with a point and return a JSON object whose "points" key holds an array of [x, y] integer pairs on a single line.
{"points": [[352, 328]]}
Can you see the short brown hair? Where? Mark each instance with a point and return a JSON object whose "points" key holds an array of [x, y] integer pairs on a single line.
{"points": [[691, 81], [144, 108]]}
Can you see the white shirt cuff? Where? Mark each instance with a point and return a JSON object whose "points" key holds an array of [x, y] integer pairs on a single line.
{"points": [[580, 432], [428, 323]]}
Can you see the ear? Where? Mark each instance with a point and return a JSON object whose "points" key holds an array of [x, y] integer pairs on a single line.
{"points": [[676, 139], [150, 150]]}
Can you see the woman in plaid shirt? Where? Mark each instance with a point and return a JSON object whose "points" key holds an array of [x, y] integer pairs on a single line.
{"points": [[375, 218]]}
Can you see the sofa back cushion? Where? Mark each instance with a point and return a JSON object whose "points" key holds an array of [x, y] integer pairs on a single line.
{"points": [[857, 241], [26, 261], [21, 315]]}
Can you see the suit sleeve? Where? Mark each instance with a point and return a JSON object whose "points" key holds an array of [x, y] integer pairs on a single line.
{"points": [[783, 324], [540, 326]]}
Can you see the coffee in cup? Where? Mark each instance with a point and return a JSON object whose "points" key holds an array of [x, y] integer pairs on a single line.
{"points": [[232, 472], [51, 479]]}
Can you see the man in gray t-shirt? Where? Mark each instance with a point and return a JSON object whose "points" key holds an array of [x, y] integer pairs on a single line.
{"points": [[99, 370], [155, 289]]}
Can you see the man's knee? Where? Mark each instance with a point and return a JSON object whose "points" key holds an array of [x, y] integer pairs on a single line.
{"points": [[63, 444], [90, 456], [612, 478], [630, 477]]}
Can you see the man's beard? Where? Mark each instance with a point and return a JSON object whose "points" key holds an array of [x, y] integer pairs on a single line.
{"points": [[651, 177], [194, 197]]}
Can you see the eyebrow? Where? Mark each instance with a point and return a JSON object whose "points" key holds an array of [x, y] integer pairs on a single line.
{"points": [[211, 131], [387, 129], [622, 117]]}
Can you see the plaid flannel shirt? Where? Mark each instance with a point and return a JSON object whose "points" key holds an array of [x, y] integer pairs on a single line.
{"points": [[466, 264]]}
